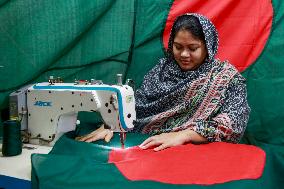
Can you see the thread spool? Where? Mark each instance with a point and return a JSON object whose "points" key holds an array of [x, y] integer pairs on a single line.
{"points": [[12, 141]]}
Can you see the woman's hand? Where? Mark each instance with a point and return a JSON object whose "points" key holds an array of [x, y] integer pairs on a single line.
{"points": [[166, 140], [100, 133]]}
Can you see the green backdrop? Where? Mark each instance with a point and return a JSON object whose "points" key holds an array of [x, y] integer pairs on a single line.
{"points": [[85, 39], [77, 40]]}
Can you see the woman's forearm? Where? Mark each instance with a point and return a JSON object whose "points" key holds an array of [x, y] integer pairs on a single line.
{"points": [[193, 136]]}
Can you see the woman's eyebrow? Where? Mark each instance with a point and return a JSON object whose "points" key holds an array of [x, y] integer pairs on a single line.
{"points": [[193, 44], [177, 43]]}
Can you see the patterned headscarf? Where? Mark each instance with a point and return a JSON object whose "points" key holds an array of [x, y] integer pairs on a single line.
{"points": [[169, 98], [209, 30]]}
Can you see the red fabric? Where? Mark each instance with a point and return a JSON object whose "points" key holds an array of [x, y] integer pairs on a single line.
{"points": [[243, 26], [191, 164]]}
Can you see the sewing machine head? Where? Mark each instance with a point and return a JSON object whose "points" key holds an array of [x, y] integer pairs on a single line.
{"points": [[52, 107]]}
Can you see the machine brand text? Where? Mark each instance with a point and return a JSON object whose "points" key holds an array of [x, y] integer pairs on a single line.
{"points": [[42, 103]]}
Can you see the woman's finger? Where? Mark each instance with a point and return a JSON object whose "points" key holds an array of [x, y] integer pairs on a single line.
{"points": [[96, 137], [92, 134], [151, 144], [79, 138], [161, 147], [145, 142], [84, 138], [109, 135], [154, 142]]}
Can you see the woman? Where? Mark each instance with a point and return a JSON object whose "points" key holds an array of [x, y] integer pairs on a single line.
{"points": [[189, 96]]}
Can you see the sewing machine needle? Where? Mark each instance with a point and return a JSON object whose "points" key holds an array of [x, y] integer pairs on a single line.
{"points": [[122, 136]]}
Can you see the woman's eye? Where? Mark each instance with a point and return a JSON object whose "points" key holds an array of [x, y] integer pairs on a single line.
{"points": [[178, 47], [193, 49]]}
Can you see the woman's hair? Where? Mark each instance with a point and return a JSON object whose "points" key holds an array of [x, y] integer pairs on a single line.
{"points": [[185, 22]]}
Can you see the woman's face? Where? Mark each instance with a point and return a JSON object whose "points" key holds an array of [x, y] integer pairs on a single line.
{"points": [[189, 52]]}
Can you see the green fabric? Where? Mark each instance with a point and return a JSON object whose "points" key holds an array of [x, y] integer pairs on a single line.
{"points": [[84, 165]]}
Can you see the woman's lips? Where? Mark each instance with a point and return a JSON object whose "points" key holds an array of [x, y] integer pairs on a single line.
{"points": [[185, 62]]}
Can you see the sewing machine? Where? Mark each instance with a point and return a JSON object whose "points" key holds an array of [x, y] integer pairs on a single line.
{"points": [[47, 110]]}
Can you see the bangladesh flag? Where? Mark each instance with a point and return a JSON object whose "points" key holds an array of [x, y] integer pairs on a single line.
{"points": [[72, 164], [85, 39]]}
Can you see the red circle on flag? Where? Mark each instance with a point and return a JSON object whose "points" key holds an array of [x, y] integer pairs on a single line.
{"points": [[205, 164], [243, 26]]}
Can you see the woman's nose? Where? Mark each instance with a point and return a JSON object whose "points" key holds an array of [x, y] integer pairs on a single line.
{"points": [[185, 53]]}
